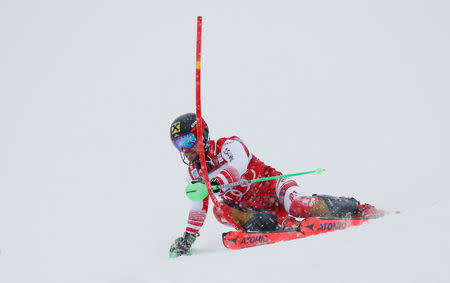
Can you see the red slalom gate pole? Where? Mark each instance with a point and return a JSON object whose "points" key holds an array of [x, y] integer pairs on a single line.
{"points": [[200, 124]]}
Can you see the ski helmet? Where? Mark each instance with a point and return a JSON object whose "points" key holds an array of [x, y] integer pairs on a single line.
{"points": [[187, 123]]}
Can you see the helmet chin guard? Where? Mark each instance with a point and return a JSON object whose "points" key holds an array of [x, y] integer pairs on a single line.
{"points": [[196, 162]]}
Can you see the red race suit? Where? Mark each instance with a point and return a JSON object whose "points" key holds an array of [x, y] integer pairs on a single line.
{"points": [[229, 160]]}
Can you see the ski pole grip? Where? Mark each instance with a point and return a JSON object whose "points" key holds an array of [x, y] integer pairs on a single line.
{"points": [[196, 191]]}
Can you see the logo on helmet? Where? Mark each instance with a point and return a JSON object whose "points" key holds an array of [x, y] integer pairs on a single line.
{"points": [[175, 128]]}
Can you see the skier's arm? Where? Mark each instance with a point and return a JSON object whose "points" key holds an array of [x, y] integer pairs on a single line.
{"points": [[197, 216], [238, 157], [197, 213]]}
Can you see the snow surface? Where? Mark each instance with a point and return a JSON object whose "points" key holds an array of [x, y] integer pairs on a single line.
{"points": [[91, 189]]}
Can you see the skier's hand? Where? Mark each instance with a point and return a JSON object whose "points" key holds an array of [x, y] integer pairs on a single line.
{"points": [[212, 181], [197, 190], [182, 245]]}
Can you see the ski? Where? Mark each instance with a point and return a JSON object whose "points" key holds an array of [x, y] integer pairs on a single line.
{"points": [[238, 240], [308, 227]]}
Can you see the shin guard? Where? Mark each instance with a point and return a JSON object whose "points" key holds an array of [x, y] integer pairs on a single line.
{"points": [[249, 219], [262, 222], [340, 207]]}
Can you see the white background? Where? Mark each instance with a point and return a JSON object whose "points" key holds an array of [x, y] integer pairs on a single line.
{"points": [[92, 190]]}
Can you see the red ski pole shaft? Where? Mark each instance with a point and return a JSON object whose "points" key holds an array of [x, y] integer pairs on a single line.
{"points": [[200, 125]]}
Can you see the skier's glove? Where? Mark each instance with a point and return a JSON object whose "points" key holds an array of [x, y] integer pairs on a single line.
{"points": [[197, 190], [182, 245], [213, 182]]}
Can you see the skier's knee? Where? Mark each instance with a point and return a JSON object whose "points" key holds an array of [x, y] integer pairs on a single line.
{"points": [[222, 213]]}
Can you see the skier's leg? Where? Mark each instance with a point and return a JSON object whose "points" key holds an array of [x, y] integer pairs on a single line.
{"points": [[295, 202], [348, 207], [340, 206], [250, 219], [261, 221], [299, 205]]}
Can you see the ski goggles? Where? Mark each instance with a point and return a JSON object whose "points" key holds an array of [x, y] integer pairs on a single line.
{"points": [[186, 141]]}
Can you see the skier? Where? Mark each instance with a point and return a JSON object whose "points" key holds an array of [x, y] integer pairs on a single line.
{"points": [[265, 206]]}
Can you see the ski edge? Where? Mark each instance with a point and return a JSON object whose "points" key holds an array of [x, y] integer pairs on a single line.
{"points": [[308, 227]]}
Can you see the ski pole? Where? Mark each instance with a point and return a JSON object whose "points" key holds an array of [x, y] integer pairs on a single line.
{"points": [[246, 182], [198, 112], [198, 191]]}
